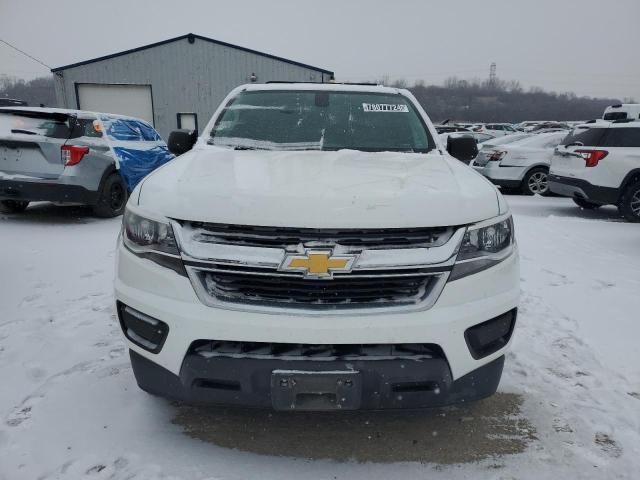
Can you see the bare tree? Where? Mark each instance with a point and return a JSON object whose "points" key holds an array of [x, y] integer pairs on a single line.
{"points": [[400, 83], [39, 91], [503, 101]]}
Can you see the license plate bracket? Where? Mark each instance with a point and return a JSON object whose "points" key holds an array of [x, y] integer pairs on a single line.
{"points": [[307, 390]]}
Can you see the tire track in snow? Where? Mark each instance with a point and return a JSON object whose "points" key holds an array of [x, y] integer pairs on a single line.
{"points": [[573, 412]]}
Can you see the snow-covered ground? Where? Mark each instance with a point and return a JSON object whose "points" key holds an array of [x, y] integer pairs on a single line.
{"points": [[569, 405]]}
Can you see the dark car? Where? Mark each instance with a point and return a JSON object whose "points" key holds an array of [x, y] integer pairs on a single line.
{"points": [[450, 129], [12, 102]]}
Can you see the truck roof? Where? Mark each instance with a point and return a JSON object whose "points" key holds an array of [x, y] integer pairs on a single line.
{"points": [[329, 87]]}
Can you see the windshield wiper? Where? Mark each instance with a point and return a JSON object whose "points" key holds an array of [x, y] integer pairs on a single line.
{"points": [[26, 132]]}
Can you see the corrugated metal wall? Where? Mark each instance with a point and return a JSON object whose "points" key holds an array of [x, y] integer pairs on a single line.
{"points": [[184, 77]]}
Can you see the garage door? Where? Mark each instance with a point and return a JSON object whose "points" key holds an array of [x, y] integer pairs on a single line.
{"points": [[132, 100]]}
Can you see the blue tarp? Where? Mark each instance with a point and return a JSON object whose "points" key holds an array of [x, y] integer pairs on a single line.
{"points": [[131, 131], [137, 164], [133, 144]]}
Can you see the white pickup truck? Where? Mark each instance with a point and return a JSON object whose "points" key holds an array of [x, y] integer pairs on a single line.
{"points": [[317, 248]]}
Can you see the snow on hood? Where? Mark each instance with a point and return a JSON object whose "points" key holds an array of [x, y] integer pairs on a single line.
{"points": [[321, 189]]}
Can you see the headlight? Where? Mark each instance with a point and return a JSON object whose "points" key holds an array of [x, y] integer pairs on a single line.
{"points": [[153, 240], [483, 247]]}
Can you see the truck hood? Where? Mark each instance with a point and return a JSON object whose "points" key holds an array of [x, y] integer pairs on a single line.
{"points": [[318, 189]]}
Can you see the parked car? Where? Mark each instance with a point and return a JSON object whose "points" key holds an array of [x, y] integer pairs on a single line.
{"points": [[600, 166], [546, 126], [317, 249], [551, 130], [523, 164], [528, 125], [499, 129], [12, 102], [479, 137], [449, 129], [491, 144], [622, 111], [72, 156], [474, 127]]}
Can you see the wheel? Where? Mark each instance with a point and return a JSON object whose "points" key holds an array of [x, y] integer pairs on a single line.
{"points": [[586, 204], [536, 181], [630, 203], [13, 206], [112, 197]]}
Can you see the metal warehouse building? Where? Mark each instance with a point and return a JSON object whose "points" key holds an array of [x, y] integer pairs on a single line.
{"points": [[177, 83]]}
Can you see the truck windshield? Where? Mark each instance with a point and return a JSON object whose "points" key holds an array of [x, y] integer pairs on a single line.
{"points": [[321, 120]]}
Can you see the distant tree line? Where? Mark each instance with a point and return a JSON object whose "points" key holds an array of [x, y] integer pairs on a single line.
{"points": [[502, 101], [36, 92], [456, 99]]}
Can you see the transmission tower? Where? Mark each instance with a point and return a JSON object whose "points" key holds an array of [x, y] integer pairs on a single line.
{"points": [[492, 73]]}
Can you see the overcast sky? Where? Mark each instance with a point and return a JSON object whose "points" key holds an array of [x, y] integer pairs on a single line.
{"points": [[590, 47]]}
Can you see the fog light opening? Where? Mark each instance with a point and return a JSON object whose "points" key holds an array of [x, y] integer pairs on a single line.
{"points": [[490, 336], [141, 329]]}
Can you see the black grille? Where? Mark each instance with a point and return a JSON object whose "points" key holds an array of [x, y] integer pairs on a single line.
{"points": [[281, 237], [209, 348], [346, 291]]}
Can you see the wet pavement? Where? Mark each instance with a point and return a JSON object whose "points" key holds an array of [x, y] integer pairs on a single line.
{"points": [[489, 428]]}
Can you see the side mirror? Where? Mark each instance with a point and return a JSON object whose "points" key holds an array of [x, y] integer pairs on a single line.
{"points": [[181, 141], [464, 148]]}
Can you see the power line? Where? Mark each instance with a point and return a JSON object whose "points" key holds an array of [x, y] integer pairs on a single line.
{"points": [[25, 53]]}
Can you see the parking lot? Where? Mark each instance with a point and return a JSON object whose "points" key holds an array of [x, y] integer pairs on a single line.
{"points": [[568, 404]]}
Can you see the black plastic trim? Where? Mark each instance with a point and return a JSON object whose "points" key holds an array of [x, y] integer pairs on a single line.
{"points": [[478, 346], [506, 183], [579, 188], [46, 192], [385, 384], [163, 329], [629, 178]]}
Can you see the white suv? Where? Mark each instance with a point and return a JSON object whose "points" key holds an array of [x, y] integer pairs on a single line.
{"points": [[317, 248], [522, 164], [600, 165]]}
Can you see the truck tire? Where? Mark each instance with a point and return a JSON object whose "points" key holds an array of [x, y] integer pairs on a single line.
{"points": [[586, 204], [630, 203], [536, 181], [13, 206], [112, 197]]}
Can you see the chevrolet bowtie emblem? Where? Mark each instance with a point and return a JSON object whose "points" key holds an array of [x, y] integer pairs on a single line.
{"points": [[318, 263]]}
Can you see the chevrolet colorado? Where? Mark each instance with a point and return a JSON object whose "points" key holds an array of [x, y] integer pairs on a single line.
{"points": [[317, 248]]}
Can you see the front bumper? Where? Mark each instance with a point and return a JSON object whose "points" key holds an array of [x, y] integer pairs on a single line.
{"points": [[45, 191], [163, 294], [579, 188], [371, 384]]}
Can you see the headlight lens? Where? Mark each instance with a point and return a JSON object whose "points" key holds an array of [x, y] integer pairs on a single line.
{"points": [[483, 247], [145, 234], [153, 240], [480, 242]]}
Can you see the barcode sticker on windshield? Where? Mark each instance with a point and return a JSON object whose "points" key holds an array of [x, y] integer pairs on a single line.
{"points": [[384, 107]]}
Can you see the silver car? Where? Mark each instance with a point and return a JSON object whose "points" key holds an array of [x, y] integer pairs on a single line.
{"points": [[74, 157]]}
